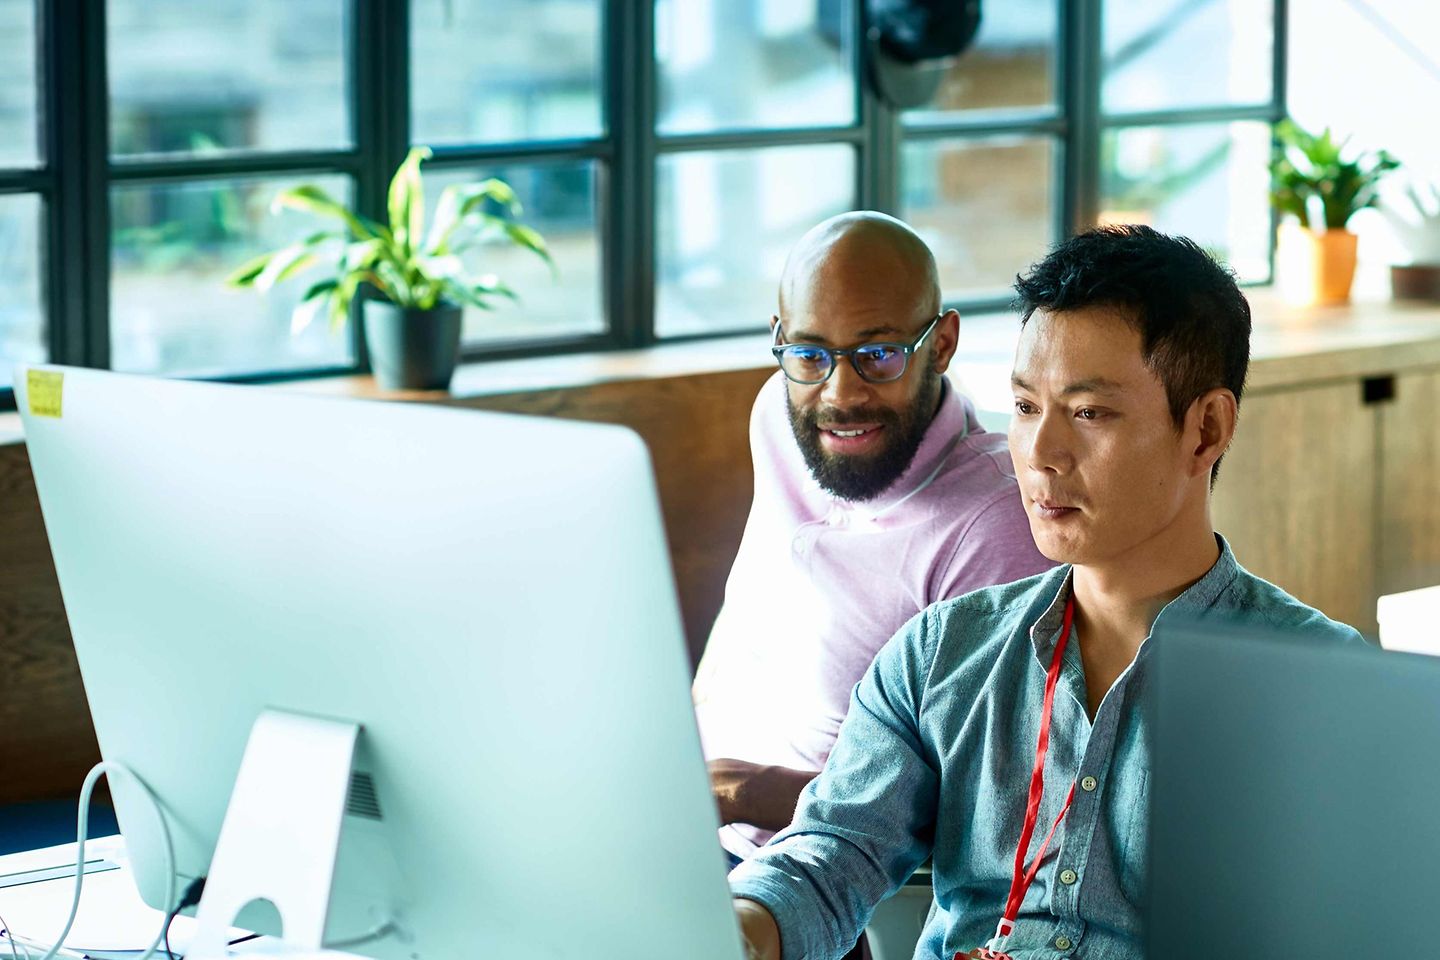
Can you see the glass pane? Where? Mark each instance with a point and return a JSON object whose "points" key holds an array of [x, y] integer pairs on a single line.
{"points": [[173, 246], [727, 220], [22, 318], [18, 85], [1209, 182], [232, 75], [760, 64], [1163, 54], [560, 201], [486, 71], [985, 207], [1012, 63]]}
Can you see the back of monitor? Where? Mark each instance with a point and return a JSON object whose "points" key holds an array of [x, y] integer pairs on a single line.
{"points": [[489, 596]]}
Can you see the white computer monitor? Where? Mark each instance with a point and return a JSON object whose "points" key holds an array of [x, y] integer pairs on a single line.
{"points": [[488, 595]]}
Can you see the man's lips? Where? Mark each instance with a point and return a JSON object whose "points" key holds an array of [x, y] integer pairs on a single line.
{"points": [[1048, 509], [849, 437]]}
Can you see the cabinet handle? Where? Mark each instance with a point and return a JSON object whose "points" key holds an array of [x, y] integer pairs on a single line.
{"points": [[1375, 390]]}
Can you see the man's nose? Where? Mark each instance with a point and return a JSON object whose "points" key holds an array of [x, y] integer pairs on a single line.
{"points": [[1047, 449], [845, 388]]}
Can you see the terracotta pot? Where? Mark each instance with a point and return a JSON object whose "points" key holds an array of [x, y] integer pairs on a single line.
{"points": [[1314, 268]]}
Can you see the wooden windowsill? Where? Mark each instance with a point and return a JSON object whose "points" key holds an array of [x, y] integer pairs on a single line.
{"points": [[986, 338], [1290, 345]]}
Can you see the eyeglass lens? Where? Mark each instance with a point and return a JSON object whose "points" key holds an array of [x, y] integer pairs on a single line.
{"points": [[878, 362]]}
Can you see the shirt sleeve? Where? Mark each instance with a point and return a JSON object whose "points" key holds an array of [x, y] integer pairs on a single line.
{"points": [[866, 822], [997, 547]]}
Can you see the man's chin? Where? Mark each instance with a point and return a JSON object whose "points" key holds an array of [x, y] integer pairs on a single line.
{"points": [[854, 477], [1056, 548]]}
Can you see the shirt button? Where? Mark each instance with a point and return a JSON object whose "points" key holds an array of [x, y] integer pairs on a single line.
{"points": [[1088, 784], [1062, 942], [1068, 877]]}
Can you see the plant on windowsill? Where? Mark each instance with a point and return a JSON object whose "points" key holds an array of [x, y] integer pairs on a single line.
{"points": [[1311, 183], [1415, 225], [417, 283]]}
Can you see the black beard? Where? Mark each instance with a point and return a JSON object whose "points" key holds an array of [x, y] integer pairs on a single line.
{"points": [[864, 477]]}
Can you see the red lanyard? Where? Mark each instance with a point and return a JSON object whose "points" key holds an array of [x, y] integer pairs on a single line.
{"points": [[1023, 877]]}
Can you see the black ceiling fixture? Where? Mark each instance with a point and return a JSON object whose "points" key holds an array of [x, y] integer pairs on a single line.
{"points": [[912, 43]]}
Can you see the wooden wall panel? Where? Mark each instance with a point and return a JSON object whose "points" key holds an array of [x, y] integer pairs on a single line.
{"points": [[1410, 485], [1296, 497], [697, 431], [46, 740]]}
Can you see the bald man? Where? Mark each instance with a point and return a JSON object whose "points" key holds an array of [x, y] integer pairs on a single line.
{"points": [[877, 493]]}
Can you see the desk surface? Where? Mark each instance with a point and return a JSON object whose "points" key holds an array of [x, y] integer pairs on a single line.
{"points": [[36, 888]]}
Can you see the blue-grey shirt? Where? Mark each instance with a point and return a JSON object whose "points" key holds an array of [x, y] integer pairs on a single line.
{"points": [[934, 760]]}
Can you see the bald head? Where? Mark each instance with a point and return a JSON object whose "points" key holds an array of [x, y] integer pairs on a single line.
{"points": [[859, 258]]}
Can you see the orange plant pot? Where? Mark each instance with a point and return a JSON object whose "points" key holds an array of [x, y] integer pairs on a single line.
{"points": [[1314, 268]]}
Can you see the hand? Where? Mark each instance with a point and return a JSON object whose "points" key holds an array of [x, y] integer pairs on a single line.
{"points": [[758, 930], [764, 796]]}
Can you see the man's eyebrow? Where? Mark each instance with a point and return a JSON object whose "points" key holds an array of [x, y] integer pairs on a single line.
{"points": [[1088, 385]]}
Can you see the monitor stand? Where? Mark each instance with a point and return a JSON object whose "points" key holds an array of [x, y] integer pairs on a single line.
{"points": [[282, 830]]}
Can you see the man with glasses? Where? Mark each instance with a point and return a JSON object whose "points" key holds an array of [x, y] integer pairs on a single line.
{"points": [[1003, 733], [877, 492]]}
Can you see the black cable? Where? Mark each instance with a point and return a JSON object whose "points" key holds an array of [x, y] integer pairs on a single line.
{"points": [[189, 898]]}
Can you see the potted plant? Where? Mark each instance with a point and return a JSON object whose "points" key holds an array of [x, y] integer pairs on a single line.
{"points": [[1415, 224], [1312, 183], [417, 284]]}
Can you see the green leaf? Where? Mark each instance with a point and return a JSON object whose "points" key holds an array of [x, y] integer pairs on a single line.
{"points": [[467, 295], [305, 313], [530, 240], [320, 289], [341, 299], [245, 274], [311, 199], [459, 202], [491, 284], [407, 200], [1307, 167], [288, 261]]}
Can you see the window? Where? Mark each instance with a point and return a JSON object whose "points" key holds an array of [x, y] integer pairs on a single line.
{"points": [[23, 331], [670, 151]]}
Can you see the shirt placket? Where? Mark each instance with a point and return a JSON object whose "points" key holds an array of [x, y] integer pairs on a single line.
{"points": [[1078, 833]]}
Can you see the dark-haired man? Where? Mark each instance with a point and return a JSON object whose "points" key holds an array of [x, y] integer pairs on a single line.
{"points": [[877, 492], [994, 716]]}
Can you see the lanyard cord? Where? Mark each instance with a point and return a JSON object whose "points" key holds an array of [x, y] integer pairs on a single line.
{"points": [[1022, 877]]}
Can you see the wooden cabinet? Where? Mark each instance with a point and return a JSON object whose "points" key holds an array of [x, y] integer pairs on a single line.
{"points": [[1331, 488], [1409, 442], [1296, 496]]}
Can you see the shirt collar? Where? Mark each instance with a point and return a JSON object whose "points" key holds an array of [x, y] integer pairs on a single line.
{"points": [[1200, 596]]}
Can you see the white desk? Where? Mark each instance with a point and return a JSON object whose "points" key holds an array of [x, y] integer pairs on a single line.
{"points": [[113, 923]]}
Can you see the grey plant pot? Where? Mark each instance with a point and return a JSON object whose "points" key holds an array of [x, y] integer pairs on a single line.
{"points": [[412, 349]]}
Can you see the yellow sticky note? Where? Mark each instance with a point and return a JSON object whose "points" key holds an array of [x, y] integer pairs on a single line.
{"points": [[44, 388]]}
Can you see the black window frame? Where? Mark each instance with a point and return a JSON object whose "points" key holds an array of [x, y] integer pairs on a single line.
{"points": [[76, 172]]}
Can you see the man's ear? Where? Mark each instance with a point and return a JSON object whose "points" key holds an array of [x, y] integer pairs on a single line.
{"points": [[946, 337], [774, 322], [1212, 420]]}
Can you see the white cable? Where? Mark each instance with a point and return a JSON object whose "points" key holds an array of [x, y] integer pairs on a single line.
{"points": [[82, 833], [10, 935]]}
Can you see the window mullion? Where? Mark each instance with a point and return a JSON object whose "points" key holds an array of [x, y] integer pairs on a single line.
{"points": [[628, 192], [1081, 58]]}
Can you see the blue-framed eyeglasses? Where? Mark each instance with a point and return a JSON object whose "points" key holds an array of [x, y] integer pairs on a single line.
{"points": [[811, 364]]}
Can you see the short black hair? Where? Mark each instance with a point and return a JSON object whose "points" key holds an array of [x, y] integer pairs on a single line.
{"points": [[1194, 322]]}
